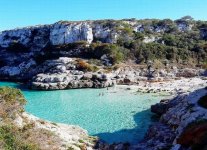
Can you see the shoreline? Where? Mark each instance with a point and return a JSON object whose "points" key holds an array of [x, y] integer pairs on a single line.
{"points": [[173, 86], [185, 85], [148, 56]]}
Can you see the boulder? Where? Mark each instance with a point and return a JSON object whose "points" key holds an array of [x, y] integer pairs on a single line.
{"points": [[160, 108]]}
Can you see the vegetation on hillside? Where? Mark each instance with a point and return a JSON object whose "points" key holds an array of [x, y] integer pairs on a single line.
{"points": [[12, 138], [178, 42], [27, 136], [183, 41]]}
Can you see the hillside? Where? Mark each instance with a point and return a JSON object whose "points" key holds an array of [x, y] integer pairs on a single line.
{"points": [[103, 50], [182, 41]]}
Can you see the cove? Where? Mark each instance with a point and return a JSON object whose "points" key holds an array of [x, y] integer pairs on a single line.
{"points": [[115, 114]]}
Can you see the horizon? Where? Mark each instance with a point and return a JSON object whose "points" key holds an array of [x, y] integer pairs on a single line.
{"points": [[18, 14]]}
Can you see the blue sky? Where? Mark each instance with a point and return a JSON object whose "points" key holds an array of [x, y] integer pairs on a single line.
{"points": [[20, 13]]}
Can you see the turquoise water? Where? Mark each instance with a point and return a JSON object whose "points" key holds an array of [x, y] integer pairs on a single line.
{"points": [[115, 115]]}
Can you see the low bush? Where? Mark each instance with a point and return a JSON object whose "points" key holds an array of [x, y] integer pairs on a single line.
{"points": [[97, 50], [204, 65], [28, 137], [188, 46], [12, 139], [12, 95], [84, 66], [12, 101], [157, 64]]}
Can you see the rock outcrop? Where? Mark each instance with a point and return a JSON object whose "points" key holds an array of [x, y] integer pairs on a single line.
{"points": [[177, 115], [59, 33], [64, 32], [63, 73]]}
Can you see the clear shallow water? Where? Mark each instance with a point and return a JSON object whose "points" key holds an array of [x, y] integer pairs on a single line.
{"points": [[115, 115]]}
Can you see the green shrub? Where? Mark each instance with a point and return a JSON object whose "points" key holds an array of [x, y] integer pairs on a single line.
{"points": [[84, 66], [81, 141], [125, 29], [97, 50], [138, 36], [12, 102], [70, 148], [178, 47], [170, 39], [11, 138], [12, 95]]}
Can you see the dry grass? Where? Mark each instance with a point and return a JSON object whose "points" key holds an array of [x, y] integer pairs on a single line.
{"points": [[28, 137], [84, 66]]}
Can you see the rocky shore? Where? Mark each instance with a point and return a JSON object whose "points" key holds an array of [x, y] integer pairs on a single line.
{"points": [[70, 136], [65, 74], [182, 124], [20, 130], [177, 116], [173, 87], [70, 55], [68, 73]]}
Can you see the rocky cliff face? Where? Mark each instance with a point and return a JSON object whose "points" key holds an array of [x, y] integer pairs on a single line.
{"points": [[31, 37], [57, 34], [64, 32], [23, 51], [70, 32], [19, 47], [182, 124]]}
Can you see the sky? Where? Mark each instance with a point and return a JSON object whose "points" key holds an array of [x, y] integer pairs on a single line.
{"points": [[20, 13]]}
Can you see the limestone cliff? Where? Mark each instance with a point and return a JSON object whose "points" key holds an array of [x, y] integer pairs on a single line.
{"points": [[33, 53], [64, 32]]}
